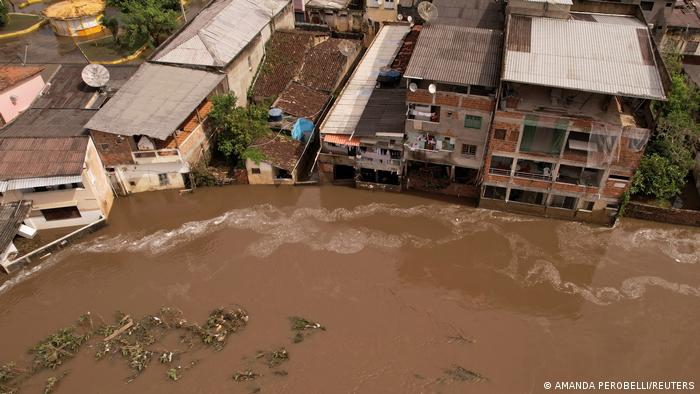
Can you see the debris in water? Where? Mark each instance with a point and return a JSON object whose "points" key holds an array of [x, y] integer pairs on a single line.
{"points": [[9, 371], [173, 374], [166, 357], [281, 373], [303, 327], [464, 375], [245, 376], [277, 357], [61, 345], [460, 339], [52, 382], [219, 325]]}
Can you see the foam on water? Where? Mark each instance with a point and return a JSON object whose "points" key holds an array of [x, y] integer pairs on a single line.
{"points": [[529, 265]]}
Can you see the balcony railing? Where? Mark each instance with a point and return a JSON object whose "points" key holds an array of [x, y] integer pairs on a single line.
{"points": [[499, 171], [156, 156], [533, 176], [387, 163]]}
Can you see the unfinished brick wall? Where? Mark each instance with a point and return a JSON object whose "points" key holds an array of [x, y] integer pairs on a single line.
{"points": [[457, 100]]}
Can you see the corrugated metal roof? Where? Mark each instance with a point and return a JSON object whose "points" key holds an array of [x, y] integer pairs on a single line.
{"points": [[562, 2], [219, 32], [385, 113], [602, 54], [155, 101], [346, 112], [28, 183], [22, 158], [328, 4], [458, 55], [341, 139], [49, 122], [11, 216]]}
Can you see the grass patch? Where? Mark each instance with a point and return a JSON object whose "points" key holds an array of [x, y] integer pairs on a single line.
{"points": [[18, 22], [103, 49]]}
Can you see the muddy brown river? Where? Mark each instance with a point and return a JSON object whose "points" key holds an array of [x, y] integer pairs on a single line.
{"points": [[407, 287]]}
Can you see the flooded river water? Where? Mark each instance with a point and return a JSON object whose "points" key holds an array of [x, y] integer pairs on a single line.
{"points": [[407, 287]]}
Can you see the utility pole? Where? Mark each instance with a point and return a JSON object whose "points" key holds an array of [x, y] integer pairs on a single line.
{"points": [[182, 8]]}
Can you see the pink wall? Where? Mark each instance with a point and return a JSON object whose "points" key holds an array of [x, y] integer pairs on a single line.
{"points": [[25, 92]]}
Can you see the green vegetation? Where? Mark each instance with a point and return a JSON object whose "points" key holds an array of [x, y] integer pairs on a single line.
{"points": [[669, 155], [302, 327], [238, 127], [126, 5], [4, 18], [146, 22]]}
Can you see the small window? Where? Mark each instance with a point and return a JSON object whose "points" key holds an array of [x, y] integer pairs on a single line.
{"points": [[255, 170], [395, 154], [669, 4], [468, 150], [60, 213], [647, 5], [587, 205], [619, 177], [563, 202], [499, 134], [472, 122], [163, 179]]}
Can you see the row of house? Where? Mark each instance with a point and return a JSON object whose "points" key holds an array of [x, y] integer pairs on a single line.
{"points": [[547, 116]]}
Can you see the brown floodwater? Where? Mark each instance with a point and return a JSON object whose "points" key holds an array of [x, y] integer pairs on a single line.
{"points": [[395, 278]]}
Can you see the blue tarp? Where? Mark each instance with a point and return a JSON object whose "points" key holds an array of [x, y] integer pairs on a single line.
{"points": [[302, 128]]}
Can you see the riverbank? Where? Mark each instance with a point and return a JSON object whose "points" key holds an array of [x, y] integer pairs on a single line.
{"points": [[407, 287]]}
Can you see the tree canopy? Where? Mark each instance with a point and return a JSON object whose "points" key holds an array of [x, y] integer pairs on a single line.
{"points": [[669, 156], [3, 13], [238, 127], [145, 22]]}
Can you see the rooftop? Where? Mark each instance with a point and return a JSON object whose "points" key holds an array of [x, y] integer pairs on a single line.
{"points": [[328, 4], [49, 122], [347, 110], [68, 90], [12, 75], [283, 59], [219, 32], [684, 18], [11, 216], [302, 101], [486, 14], [579, 54], [385, 112], [325, 63], [71, 9], [280, 150], [457, 55], [155, 101], [22, 158]]}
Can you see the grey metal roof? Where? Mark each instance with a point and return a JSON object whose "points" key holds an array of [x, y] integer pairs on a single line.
{"points": [[487, 14], [11, 216], [328, 4], [28, 183], [457, 55], [219, 32], [155, 101], [596, 53], [49, 122], [347, 109]]}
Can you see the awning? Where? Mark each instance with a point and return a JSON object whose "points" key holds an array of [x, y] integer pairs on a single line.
{"points": [[27, 183], [340, 139]]}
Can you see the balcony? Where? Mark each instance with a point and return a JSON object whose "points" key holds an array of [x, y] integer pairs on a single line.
{"points": [[156, 156], [534, 170]]}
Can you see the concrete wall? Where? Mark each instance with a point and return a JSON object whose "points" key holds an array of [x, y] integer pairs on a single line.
{"points": [[25, 93], [242, 70], [145, 177], [665, 215], [601, 216], [196, 145], [267, 175], [97, 180]]}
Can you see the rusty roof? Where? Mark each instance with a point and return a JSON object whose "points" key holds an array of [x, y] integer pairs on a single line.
{"points": [[280, 150], [457, 55], [409, 45], [283, 59], [324, 64], [302, 101], [41, 157], [12, 75]]}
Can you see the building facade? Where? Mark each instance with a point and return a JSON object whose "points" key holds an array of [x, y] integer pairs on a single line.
{"points": [[19, 86]]}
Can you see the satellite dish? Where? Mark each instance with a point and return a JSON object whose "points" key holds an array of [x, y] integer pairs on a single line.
{"points": [[95, 75], [346, 48], [428, 11], [412, 86], [432, 88], [409, 18], [399, 17]]}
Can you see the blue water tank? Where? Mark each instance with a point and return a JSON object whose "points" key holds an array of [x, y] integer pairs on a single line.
{"points": [[274, 115]]}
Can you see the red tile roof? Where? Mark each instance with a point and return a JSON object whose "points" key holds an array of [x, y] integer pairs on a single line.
{"points": [[280, 150], [12, 75], [301, 101], [324, 64]]}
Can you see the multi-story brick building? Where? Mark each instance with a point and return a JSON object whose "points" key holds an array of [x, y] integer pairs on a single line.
{"points": [[453, 78], [572, 124]]}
